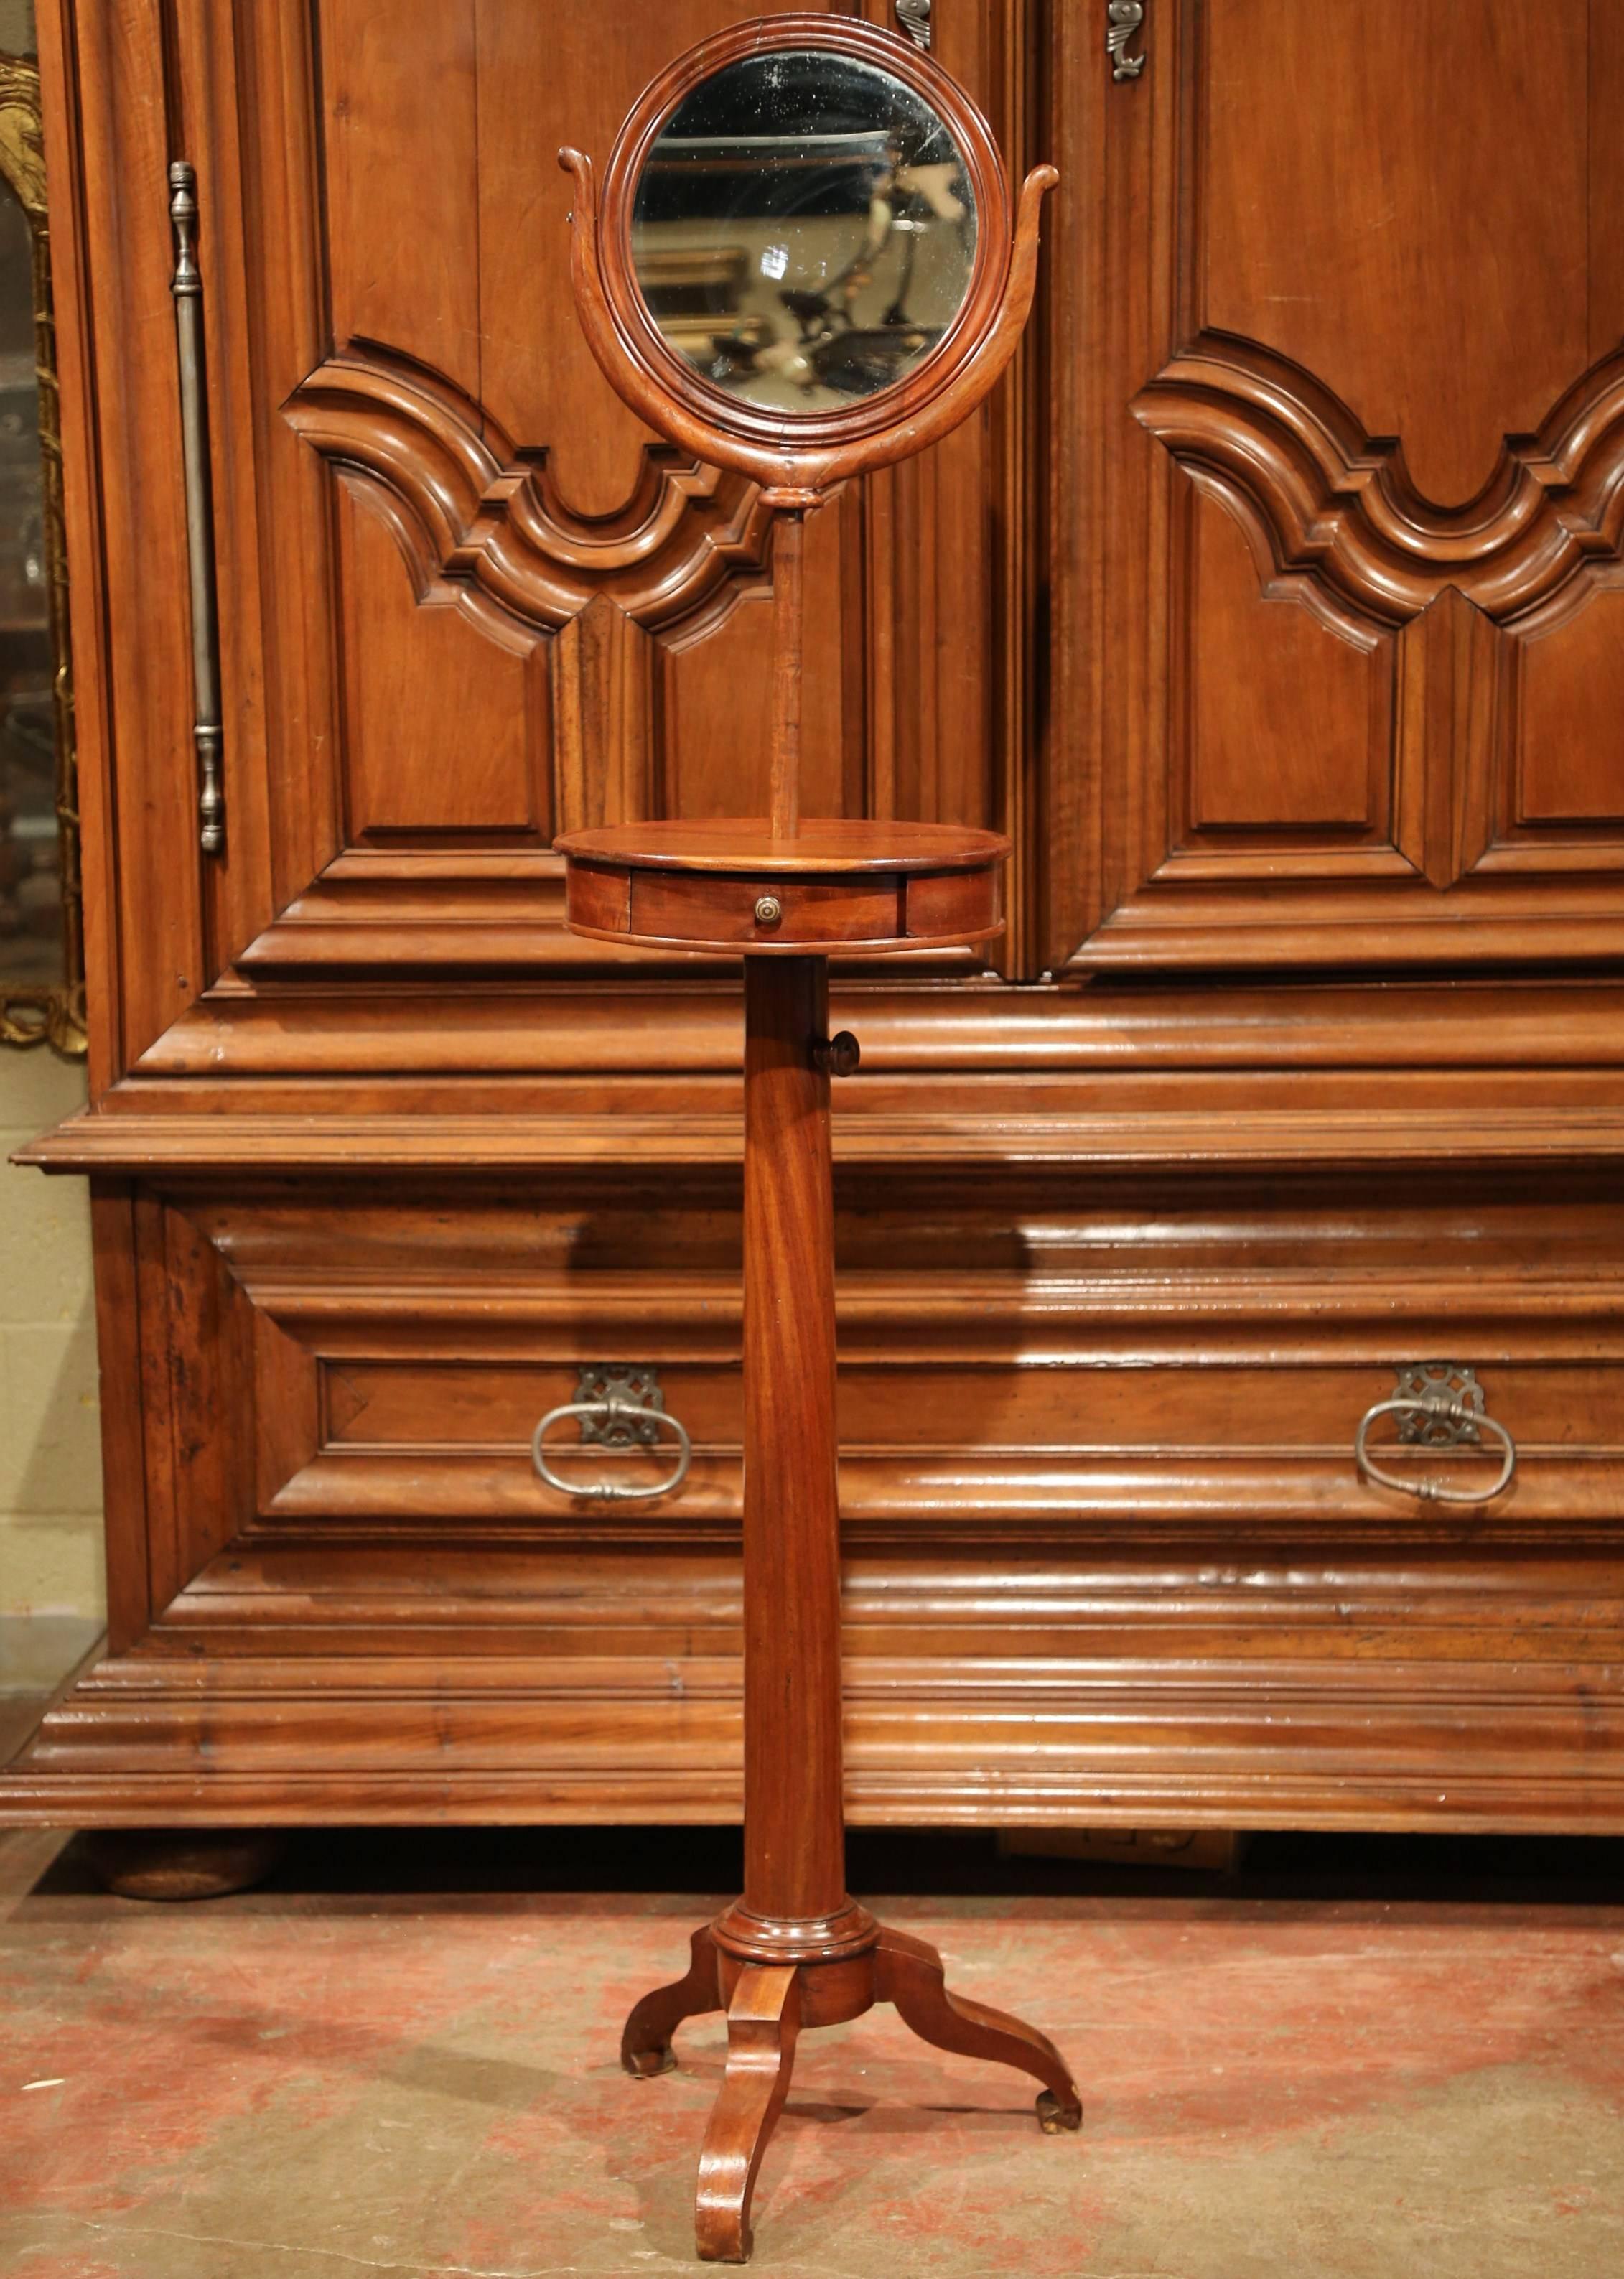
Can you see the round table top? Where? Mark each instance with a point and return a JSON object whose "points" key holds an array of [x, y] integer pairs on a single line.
{"points": [[823, 845]]}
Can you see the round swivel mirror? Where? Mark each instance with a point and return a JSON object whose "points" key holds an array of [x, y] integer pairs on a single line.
{"points": [[803, 229], [805, 241]]}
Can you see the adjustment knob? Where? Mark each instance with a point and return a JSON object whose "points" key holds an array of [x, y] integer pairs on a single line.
{"points": [[838, 1056]]}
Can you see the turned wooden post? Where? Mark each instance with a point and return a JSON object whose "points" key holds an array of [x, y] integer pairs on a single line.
{"points": [[789, 543], [794, 1839]]}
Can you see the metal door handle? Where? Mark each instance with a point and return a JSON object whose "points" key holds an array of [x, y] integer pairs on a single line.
{"points": [[1123, 18], [187, 286]]}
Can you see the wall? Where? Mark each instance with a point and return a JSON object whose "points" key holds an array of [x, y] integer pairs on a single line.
{"points": [[51, 1465]]}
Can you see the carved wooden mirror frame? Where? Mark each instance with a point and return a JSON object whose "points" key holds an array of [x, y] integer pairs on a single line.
{"points": [[800, 456]]}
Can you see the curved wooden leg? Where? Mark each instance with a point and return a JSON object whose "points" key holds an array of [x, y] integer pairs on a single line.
{"points": [[646, 2045], [763, 2019], [908, 1973]]}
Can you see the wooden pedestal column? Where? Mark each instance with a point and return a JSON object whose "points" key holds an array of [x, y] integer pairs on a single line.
{"points": [[794, 1904]]}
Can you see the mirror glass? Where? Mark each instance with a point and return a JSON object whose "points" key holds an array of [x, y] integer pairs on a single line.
{"points": [[804, 229]]}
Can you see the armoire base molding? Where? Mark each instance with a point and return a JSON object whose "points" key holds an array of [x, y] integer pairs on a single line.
{"points": [[1176, 1691]]}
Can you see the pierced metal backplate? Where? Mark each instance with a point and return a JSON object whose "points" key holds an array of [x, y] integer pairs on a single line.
{"points": [[614, 1389], [1431, 1384]]}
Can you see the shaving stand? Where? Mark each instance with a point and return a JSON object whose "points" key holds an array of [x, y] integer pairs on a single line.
{"points": [[795, 1950]]}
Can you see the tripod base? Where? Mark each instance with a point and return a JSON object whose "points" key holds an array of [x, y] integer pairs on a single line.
{"points": [[767, 2005]]}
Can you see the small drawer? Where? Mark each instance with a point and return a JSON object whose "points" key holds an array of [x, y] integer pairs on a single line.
{"points": [[954, 905], [713, 906]]}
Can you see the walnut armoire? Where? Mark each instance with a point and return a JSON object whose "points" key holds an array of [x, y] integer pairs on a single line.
{"points": [[1274, 606]]}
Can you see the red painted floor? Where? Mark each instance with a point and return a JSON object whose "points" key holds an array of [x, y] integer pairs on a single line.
{"points": [[399, 2058]]}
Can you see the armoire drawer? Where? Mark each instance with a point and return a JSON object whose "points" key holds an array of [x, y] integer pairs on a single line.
{"points": [[401, 1358]]}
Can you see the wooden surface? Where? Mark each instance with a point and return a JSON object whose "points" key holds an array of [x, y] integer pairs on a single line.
{"points": [[863, 890], [763, 2020], [789, 669], [1339, 427], [794, 1851], [1306, 741], [823, 843]]}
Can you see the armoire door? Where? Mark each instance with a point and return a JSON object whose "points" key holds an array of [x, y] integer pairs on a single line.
{"points": [[465, 601], [1339, 425]]}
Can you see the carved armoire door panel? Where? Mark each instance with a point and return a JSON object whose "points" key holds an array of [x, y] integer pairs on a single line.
{"points": [[1339, 427], [465, 601]]}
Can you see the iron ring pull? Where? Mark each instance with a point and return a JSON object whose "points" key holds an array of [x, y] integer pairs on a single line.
{"points": [[604, 1412], [1456, 1412]]}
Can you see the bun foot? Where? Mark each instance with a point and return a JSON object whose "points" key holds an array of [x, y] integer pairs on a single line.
{"points": [[646, 2045], [181, 1863], [763, 2019]]}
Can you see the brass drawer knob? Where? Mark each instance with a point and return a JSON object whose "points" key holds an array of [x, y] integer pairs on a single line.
{"points": [[769, 910]]}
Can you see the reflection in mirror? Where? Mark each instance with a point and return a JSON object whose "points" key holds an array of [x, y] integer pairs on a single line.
{"points": [[804, 230]]}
